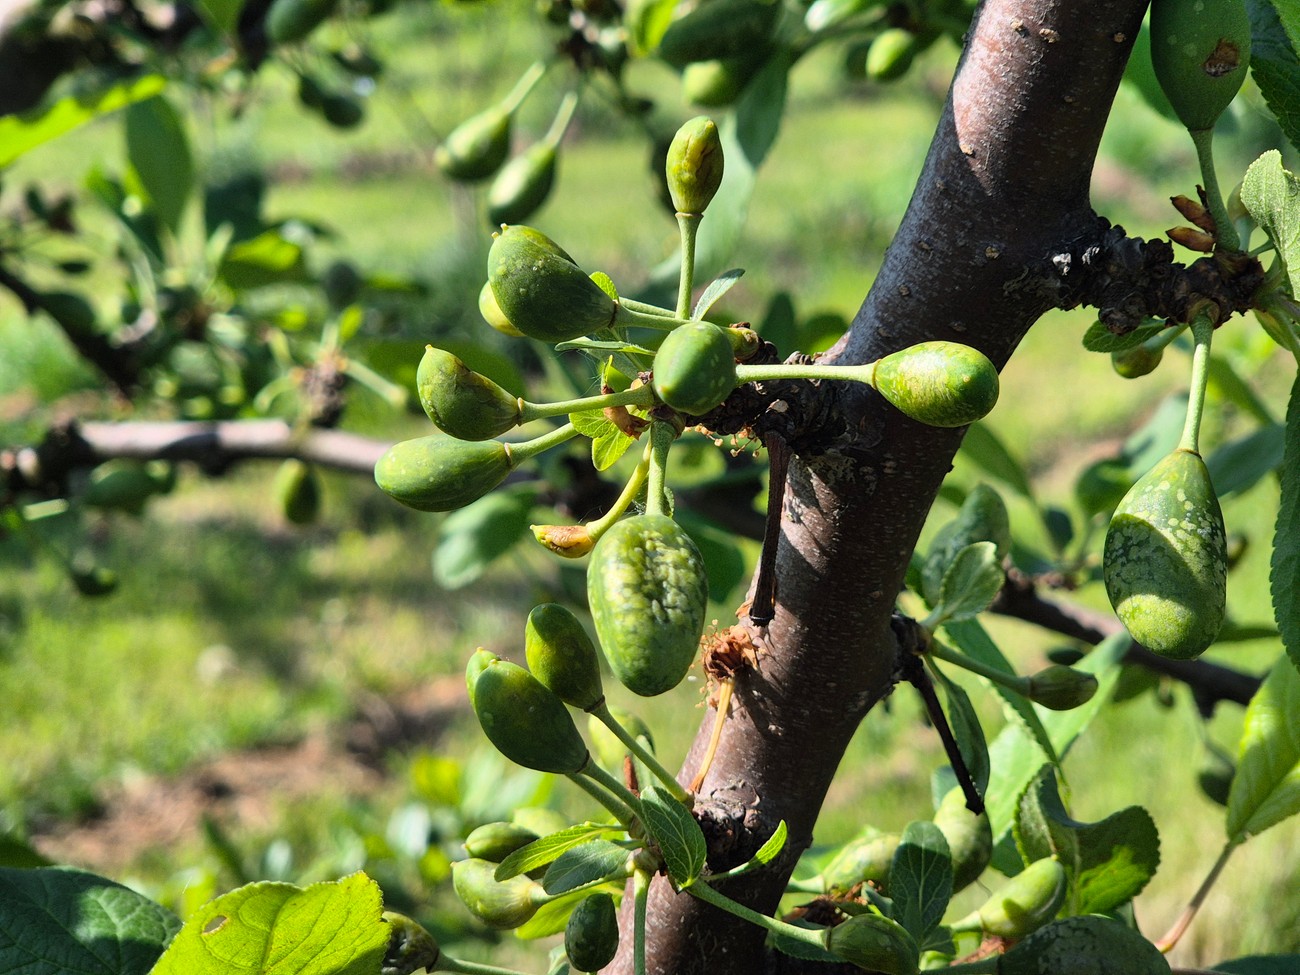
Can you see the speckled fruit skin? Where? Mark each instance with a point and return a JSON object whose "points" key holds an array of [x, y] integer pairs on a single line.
{"points": [[942, 384], [541, 291], [1166, 557], [526, 722], [695, 368], [461, 402], [1086, 945], [648, 595]]}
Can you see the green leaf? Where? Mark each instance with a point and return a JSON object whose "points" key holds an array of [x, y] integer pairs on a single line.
{"points": [[470, 539], [1098, 338], [966, 728], [1260, 965], [646, 21], [608, 442], [1016, 757], [159, 151], [1266, 788], [267, 259], [986, 451], [56, 920], [1284, 577], [1274, 42], [1272, 195], [678, 835], [19, 134], [605, 283], [547, 849], [222, 14], [718, 287], [586, 863], [1242, 463], [774, 845], [920, 880], [15, 853], [332, 928], [1108, 863], [970, 584], [604, 346]]}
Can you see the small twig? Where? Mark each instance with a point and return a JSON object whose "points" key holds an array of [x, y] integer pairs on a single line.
{"points": [[914, 673], [1167, 943], [762, 608]]}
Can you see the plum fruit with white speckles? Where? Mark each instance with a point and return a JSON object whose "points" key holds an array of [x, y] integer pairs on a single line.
{"points": [[1166, 558], [942, 384]]}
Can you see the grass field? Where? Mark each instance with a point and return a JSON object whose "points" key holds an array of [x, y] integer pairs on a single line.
{"points": [[233, 630]]}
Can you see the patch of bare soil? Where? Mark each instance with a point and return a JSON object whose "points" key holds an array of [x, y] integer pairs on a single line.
{"points": [[242, 790]]}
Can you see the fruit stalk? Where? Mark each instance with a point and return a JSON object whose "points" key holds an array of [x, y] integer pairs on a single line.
{"points": [[1202, 333], [1011, 682], [601, 713], [642, 396], [520, 452], [808, 936], [1225, 230], [640, 894], [448, 964], [620, 810], [810, 370], [630, 490], [599, 775], [523, 87], [688, 225], [662, 436]]}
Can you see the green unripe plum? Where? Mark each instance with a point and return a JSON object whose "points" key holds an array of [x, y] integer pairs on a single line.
{"points": [[695, 368], [1025, 902], [289, 21], [297, 488], [969, 836], [942, 384], [492, 313], [648, 592], [1139, 361], [1090, 944], [867, 858], [526, 722], [478, 661], [1061, 688], [410, 947], [342, 111], [462, 402], [719, 29], [476, 148], [441, 473], [694, 165], [542, 292], [891, 54], [496, 841], [717, 83], [93, 580], [591, 934], [1165, 562], [875, 943], [1200, 50], [523, 185], [497, 903], [120, 485], [561, 655]]}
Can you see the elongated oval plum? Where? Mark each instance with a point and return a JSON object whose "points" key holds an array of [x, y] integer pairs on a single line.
{"points": [[497, 903], [591, 934], [526, 722], [695, 368], [476, 148], [695, 165], [942, 384], [462, 402], [561, 655], [523, 185], [648, 592], [1165, 561], [441, 473], [541, 291], [1025, 902]]}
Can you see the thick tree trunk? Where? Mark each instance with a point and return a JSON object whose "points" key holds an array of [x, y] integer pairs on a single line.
{"points": [[999, 219]]}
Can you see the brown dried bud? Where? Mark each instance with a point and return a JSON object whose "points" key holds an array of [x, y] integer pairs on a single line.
{"points": [[570, 541], [1194, 211], [1193, 240]]}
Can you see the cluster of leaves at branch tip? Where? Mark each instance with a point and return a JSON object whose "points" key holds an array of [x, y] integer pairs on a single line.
{"points": [[1165, 559], [940, 384], [695, 165], [695, 368], [648, 592], [461, 402], [524, 720], [541, 291], [1200, 52]]}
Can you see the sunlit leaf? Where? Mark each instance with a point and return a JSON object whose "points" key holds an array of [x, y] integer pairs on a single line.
{"points": [[1266, 788]]}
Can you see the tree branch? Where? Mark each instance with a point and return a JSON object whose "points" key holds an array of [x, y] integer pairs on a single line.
{"points": [[1004, 187]]}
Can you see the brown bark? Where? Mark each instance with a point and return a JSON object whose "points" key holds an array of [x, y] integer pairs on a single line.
{"points": [[1003, 191]]}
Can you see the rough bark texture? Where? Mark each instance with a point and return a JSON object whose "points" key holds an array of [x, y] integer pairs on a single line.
{"points": [[998, 221]]}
